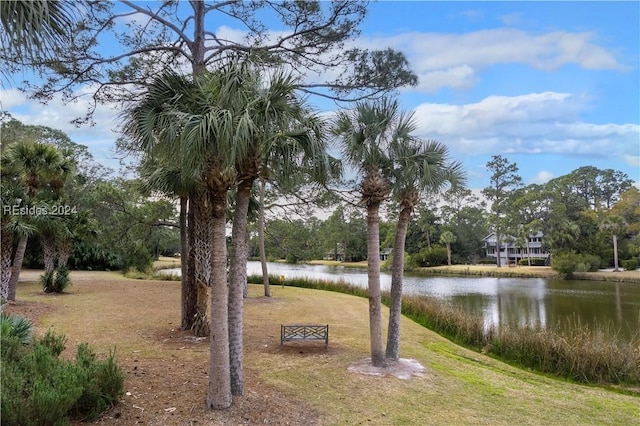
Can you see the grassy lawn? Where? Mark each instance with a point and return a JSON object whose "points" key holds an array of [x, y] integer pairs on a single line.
{"points": [[459, 386]]}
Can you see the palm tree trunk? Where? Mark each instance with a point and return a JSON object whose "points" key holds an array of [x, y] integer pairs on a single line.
{"points": [[238, 281], [64, 253], [263, 255], [49, 253], [201, 249], [375, 295], [615, 253], [397, 271], [6, 242], [16, 268], [219, 394], [188, 291], [498, 260], [528, 253], [448, 253]]}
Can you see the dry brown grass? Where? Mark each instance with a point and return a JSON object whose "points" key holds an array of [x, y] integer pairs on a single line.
{"points": [[301, 384]]}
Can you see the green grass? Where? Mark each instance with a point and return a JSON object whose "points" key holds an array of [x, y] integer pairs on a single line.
{"points": [[460, 386], [587, 355]]}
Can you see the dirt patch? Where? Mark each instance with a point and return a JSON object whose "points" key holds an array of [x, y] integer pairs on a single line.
{"points": [[168, 392], [402, 369]]}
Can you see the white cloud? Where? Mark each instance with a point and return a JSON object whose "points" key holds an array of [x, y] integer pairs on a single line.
{"points": [[535, 123], [454, 60], [543, 177], [10, 98], [99, 138], [459, 57]]}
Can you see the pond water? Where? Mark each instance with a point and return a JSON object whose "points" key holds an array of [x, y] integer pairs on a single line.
{"points": [[549, 303]]}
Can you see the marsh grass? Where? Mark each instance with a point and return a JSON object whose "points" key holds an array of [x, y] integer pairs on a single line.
{"points": [[584, 354]]}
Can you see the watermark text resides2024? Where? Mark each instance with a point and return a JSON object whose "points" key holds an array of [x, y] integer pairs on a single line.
{"points": [[42, 210]]}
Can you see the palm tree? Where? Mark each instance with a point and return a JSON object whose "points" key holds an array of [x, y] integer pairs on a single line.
{"points": [[366, 133], [30, 30], [447, 238], [282, 131], [613, 226], [419, 166], [205, 123], [167, 178], [156, 126], [39, 171]]}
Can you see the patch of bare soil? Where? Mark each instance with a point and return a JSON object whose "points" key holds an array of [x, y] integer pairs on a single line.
{"points": [[403, 368], [31, 310], [164, 392]]}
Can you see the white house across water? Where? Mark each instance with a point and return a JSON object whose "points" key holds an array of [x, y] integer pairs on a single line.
{"points": [[512, 251]]}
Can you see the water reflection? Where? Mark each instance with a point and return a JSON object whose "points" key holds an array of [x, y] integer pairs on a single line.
{"points": [[512, 301]]}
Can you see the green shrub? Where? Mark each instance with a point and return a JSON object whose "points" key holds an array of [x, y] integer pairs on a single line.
{"points": [[535, 261], [569, 262], [409, 263], [434, 256], [56, 343], [564, 263], [102, 383], [136, 256], [292, 258], [592, 262], [46, 281], [38, 388], [16, 326], [630, 265], [61, 280], [55, 281]]}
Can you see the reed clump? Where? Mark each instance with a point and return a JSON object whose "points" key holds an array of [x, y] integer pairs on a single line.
{"points": [[584, 354]]}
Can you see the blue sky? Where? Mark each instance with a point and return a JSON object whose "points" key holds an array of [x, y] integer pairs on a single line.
{"points": [[552, 86]]}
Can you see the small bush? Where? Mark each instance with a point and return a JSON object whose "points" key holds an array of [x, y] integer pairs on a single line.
{"points": [[136, 256], [564, 263], [535, 261], [434, 256], [16, 326], [38, 388], [569, 262], [56, 343], [409, 263], [102, 383], [630, 265], [55, 281]]}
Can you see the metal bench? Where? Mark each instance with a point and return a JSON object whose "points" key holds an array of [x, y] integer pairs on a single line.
{"points": [[296, 332]]}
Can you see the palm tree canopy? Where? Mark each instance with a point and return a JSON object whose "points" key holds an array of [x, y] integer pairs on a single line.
{"points": [[422, 166], [368, 130], [34, 166], [367, 133], [30, 30], [280, 134], [448, 237], [184, 119], [234, 115]]}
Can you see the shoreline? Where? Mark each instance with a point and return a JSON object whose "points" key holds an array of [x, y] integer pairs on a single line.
{"points": [[471, 270], [507, 272]]}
